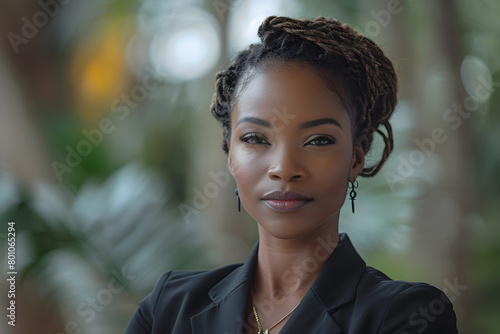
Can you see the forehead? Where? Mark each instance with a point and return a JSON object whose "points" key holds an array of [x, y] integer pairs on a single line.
{"points": [[298, 88]]}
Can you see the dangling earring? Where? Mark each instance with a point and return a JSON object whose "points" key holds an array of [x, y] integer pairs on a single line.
{"points": [[238, 195], [353, 194]]}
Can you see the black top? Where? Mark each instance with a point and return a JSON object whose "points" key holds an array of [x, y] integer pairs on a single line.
{"points": [[346, 297]]}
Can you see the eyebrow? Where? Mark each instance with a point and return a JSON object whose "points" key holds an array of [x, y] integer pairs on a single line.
{"points": [[317, 122], [305, 125], [254, 120]]}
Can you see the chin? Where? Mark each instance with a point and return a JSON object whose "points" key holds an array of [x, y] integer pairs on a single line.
{"points": [[302, 223], [292, 227]]}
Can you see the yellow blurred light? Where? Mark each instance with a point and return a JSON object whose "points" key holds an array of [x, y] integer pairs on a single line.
{"points": [[98, 69], [101, 74]]}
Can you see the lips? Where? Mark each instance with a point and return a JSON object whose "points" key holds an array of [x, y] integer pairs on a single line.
{"points": [[285, 201]]}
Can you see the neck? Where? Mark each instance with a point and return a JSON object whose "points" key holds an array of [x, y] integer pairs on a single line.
{"points": [[288, 267]]}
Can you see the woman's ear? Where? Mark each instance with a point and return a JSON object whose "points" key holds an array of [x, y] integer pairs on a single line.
{"points": [[357, 163]]}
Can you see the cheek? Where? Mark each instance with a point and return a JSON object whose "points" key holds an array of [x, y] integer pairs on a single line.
{"points": [[331, 178], [336, 188], [246, 168]]}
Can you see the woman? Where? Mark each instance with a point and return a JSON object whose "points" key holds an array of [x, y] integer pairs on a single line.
{"points": [[299, 111]]}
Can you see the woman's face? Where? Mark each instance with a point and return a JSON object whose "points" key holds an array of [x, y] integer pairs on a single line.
{"points": [[291, 151]]}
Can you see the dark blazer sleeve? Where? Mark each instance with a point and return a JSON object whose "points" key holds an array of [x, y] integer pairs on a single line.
{"points": [[142, 320], [419, 309]]}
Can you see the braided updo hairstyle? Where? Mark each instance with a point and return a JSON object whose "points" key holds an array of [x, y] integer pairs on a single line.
{"points": [[338, 54]]}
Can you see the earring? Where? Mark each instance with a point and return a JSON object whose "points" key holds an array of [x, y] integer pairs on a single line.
{"points": [[238, 195], [353, 194]]}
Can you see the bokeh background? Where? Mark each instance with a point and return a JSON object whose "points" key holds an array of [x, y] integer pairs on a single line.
{"points": [[111, 167]]}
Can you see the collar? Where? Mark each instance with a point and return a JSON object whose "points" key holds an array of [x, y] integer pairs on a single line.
{"points": [[238, 278], [337, 282], [334, 287], [343, 267]]}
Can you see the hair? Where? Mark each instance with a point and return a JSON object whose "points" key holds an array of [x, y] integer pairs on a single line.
{"points": [[340, 55]]}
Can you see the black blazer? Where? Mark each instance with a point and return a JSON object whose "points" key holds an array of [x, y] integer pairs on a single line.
{"points": [[346, 297]]}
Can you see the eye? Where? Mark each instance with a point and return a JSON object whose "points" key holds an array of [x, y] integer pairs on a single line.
{"points": [[253, 139], [321, 140]]}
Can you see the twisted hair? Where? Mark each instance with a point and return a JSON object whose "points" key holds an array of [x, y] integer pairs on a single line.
{"points": [[338, 54]]}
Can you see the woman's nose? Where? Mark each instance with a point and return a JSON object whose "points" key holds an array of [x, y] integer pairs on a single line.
{"points": [[287, 167]]}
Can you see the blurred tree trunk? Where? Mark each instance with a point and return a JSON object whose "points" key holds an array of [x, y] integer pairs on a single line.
{"points": [[229, 231], [24, 78], [22, 150], [441, 246]]}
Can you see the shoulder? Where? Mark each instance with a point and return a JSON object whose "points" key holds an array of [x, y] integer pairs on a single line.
{"points": [[405, 307], [179, 284], [176, 292], [199, 280], [375, 281]]}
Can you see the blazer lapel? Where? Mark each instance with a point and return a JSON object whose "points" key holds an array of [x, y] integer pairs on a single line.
{"points": [[323, 309], [225, 317], [311, 317], [227, 314]]}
